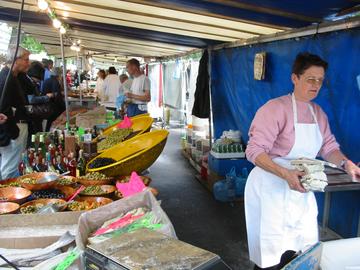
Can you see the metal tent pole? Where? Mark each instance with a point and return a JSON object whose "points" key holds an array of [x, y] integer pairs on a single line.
{"points": [[64, 81], [78, 69]]}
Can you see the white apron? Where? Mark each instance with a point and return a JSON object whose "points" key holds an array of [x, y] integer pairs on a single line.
{"points": [[278, 218]]}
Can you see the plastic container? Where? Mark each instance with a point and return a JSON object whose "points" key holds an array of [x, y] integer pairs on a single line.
{"points": [[223, 166], [232, 187], [225, 190], [240, 183]]}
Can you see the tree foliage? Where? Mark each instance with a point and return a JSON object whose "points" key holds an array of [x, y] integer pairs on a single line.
{"points": [[31, 44]]}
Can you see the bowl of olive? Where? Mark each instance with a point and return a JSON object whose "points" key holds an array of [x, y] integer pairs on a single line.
{"points": [[98, 190]]}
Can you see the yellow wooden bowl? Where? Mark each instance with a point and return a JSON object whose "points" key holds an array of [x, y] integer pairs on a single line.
{"points": [[136, 154]]}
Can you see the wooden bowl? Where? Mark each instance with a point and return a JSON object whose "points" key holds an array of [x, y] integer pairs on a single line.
{"points": [[108, 190], [14, 194], [37, 177], [100, 200], [8, 208], [44, 202], [10, 181], [90, 182], [72, 180], [118, 195], [147, 180]]}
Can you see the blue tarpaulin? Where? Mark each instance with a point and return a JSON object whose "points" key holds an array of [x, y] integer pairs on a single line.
{"points": [[236, 96]]}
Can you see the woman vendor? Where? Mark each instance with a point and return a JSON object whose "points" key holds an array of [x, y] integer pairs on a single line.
{"points": [[281, 217]]}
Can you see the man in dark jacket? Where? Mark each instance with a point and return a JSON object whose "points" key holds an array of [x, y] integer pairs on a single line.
{"points": [[30, 84], [13, 133]]}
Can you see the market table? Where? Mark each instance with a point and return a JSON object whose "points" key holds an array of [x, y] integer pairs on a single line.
{"points": [[87, 102], [338, 181]]}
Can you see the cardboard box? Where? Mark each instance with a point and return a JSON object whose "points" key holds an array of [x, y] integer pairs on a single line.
{"points": [[35, 230], [91, 118]]}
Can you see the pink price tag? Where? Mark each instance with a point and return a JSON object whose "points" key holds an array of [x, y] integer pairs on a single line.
{"points": [[135, 185], [126, 123]]}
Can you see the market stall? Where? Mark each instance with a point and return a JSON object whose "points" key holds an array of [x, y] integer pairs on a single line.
{"points": [[103, 155]]}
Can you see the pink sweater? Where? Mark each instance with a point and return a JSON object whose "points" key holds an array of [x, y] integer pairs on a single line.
{"points": [[272, 129]]}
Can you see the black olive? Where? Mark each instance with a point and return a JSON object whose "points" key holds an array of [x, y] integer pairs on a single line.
{"points": [[101, 162], [48, 194]]}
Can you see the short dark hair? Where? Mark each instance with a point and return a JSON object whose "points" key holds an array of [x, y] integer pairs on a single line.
{"points": [[124, 76], [305, 60], [47, 62], [134, 62], [102, 72], [36, 70], [112, 70]]}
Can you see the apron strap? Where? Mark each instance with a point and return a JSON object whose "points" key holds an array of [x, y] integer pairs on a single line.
{"points": [[295, 110], [313, 113]]}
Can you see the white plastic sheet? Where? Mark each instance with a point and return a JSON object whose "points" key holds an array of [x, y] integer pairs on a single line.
{"points": [[341, 254]]}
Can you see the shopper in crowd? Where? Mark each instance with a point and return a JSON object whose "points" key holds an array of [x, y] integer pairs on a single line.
{"points": [[54, 85], [38, 105], [123, 78], [48, 66], [100, 83], [281, 216], [124, 88], [139, 93], [111, 89], [125, 84], [14, 129], [68, 78], [3, 118], [76, 79]]}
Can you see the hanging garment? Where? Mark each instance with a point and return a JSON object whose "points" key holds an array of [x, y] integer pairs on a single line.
{"points": [[201, 107]]}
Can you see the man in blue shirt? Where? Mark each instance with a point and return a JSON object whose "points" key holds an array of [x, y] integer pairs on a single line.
{"points": [[48, 65]]}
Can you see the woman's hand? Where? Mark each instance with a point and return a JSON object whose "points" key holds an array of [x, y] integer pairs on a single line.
{"points": [[3, 118], [352, 170], [292, 177]]}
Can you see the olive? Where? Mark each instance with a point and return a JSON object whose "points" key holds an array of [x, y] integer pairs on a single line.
{"points": [[101, 162]]}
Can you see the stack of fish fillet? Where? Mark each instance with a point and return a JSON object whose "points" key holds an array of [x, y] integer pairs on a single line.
{"points": [[314, 179]]}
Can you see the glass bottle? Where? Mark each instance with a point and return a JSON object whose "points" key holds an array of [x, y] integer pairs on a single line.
{"points": [[48, 163], [22, 164], [39, 167], [33, 142], [56, 138], [59, 166], [71, 165], [28, 168], [42, 146], [81, 165]]}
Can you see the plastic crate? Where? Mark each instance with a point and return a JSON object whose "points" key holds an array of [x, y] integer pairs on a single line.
{"points": [[223, 166]]}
